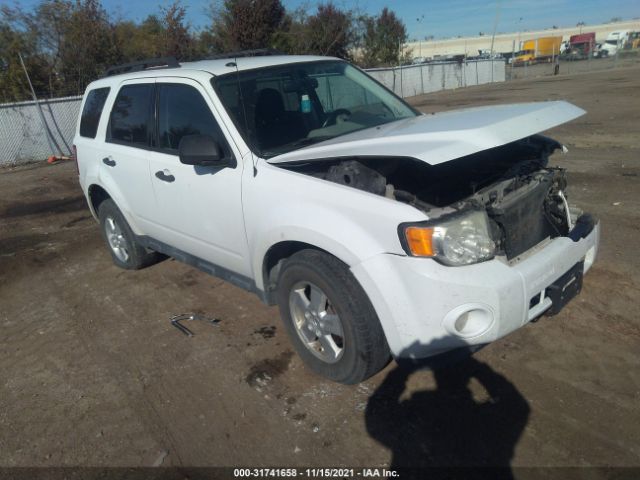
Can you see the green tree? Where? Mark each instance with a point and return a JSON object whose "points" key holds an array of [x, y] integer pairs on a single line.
{"points": [[244, 24], [291, 36], [176, 38], [330, 31], [382, 38], [68, 43], [13, 82], [76, 39], [138, 41], [88, 45]]}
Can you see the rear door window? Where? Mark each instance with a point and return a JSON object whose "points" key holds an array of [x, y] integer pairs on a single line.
{"points": [[92, 111], [183, 111], [130, 120]]}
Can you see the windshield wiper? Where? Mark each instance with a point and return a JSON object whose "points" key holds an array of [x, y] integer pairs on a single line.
{"points": [[303, 142]]}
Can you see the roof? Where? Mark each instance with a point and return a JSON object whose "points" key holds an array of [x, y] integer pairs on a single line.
{"points": [[213, 67], [219, 66]]}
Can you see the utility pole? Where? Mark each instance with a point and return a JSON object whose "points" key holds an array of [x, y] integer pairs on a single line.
{"points": [[50, 139], [495, 26], [420, 19], [493, 37], [400, 63], [513, 57]]}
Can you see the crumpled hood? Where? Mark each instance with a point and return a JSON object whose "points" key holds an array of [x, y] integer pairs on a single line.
{"points": [[441, 137]]}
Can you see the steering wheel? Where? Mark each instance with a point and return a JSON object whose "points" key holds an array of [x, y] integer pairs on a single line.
{"points": [[332, 118]]}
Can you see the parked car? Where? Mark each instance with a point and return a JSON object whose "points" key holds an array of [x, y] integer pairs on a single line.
{"points": [[376, 229]]}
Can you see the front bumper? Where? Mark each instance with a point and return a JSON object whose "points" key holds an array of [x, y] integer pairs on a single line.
{"points": [[419, 302]]}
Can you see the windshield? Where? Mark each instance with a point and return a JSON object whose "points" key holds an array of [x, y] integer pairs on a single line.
{"points": [[612, 42], [295, 105]]}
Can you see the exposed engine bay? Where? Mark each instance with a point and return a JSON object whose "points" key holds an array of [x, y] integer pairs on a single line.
{"points": [[523, 197]]}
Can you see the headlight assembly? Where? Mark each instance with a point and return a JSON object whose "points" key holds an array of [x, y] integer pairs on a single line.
{"points": [[462, 239]]}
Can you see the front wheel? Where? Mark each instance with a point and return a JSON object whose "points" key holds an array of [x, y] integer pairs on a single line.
{"points": [[330, 319]]}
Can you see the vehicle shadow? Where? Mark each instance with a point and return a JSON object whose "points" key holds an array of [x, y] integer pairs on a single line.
{"points": [[457, 425]]}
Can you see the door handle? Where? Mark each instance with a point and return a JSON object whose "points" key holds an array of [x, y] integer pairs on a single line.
{"points": [[165, 175], [109, 162]]}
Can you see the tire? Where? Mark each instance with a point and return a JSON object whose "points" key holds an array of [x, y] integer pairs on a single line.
{"points": [[349, 344], [125, 251]]}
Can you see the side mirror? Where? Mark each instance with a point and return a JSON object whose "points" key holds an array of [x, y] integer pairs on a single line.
{"points": [[202, 150]]}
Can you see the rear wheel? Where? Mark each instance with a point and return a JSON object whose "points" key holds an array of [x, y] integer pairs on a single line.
{"points": [[120, 239], [330, 319]]}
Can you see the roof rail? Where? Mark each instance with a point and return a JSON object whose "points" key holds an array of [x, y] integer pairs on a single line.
{"points": [[258, 52], [140, 65]]}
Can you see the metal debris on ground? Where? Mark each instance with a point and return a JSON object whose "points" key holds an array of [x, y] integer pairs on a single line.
{"points": [[176, 319]]}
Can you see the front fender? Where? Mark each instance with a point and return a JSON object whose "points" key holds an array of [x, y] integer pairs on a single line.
{"points": [[304, 234], [282, 205]]}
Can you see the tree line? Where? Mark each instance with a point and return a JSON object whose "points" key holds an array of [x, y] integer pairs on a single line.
{"points": [[66, 44]]}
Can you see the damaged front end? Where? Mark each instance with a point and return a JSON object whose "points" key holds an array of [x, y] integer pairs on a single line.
{"points": [[502, 201]]}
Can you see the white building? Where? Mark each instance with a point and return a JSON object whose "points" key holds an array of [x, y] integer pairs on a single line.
{"points": [[505, 42]]}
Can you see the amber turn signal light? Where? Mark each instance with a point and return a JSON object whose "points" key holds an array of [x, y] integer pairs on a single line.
{"points": [[420, 241]]}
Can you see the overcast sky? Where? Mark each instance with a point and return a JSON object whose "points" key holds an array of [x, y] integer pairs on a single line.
{"points": [[448, 18]]}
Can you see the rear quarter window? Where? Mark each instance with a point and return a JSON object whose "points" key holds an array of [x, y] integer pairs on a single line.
{"points": [[92, 111]]}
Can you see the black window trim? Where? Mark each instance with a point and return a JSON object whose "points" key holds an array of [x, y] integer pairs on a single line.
{"points": [[153, 139], [102, 111], [156, 125], [140, 146]]}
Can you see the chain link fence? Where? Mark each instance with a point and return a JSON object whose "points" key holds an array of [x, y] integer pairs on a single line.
{"points": [[415, 80], [23, 137], [567, 66]]}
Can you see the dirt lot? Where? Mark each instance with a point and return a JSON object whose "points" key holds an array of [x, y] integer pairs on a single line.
{"points": [[94, 374]]}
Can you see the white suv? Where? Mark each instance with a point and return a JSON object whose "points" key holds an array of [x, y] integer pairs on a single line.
{"points": [[376, 229]]}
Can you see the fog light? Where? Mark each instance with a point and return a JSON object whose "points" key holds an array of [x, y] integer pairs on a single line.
{"points": [[469, 320]]}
